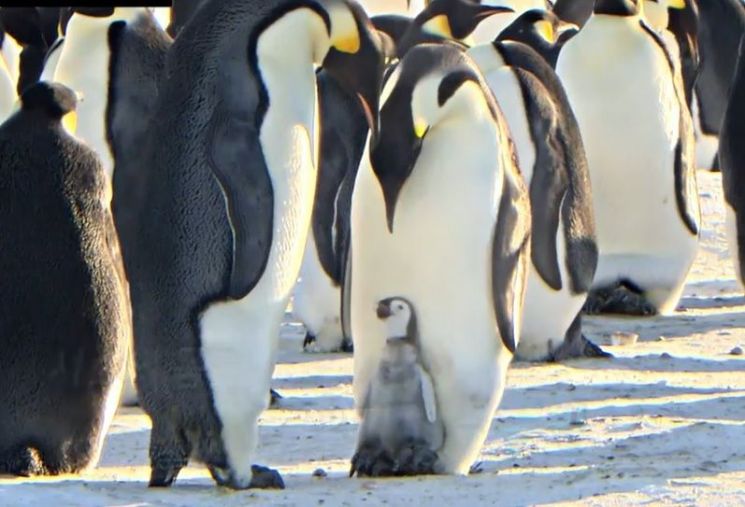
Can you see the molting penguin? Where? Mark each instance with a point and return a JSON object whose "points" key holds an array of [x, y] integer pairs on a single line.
{"points": [[625, 91], [64, 320], [447, 228], [552, 157], [230, 177], [732, 163], [400, 427]]}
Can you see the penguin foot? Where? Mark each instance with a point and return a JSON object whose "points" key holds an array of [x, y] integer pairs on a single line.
{"points": [[624, 298], [162, 476], [274, 398], [261, 477], [266, 478], [416, 458], [23, 462], [347, 345], [578, 348], [371, 460], [309, 340]]}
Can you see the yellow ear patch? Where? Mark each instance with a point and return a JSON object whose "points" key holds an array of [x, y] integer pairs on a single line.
{"points": [[676, 4], [348, 43], [546, 30], [70, 122], [439, 25], [420, 128]]}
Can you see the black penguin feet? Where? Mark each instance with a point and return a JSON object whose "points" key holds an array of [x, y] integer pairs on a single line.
{"points": [[274, 398], [624, 298], [162, 476], [347, 345], [413, 458], [261, 477], [309, 340], [169, 453], [266, 478], [416, 458], [579, 348], [22, 461], [371, 460]]}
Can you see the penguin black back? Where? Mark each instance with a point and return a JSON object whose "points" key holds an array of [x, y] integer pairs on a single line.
{"points": [[62, 306], [721, 23]]}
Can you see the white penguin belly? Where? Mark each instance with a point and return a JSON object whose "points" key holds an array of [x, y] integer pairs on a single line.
{"points": [[239, 338], [439, 256], [317, 302], [630, 133]]}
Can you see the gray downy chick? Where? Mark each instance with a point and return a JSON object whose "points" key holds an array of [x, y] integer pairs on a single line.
{"points": [[400, 432]]}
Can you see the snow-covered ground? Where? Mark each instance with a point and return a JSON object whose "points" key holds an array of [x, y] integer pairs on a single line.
{"points": [[663, 422]]}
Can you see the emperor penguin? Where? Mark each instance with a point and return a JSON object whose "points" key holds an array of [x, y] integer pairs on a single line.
{"points": [[576, 12], [720, 26], [400, 424], [317, 296], [64, 319], [229, 177], [113, 58], [453, 20], [625, 92], [542, 30], [492, 27], [732, 164], [447, 228], [552, 159]]}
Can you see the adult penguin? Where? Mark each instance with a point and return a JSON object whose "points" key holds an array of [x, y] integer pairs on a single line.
{"points": [[720, 26], [564, 252], [114, 58], [448, 229], [576, 12], [624, 89], [221, 229], [317, 296], [453, 20], [64, 320], [489, 29], [732, 163], [542, 30]]}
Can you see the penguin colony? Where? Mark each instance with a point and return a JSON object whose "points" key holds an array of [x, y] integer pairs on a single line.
{"points": [[445, 189]]}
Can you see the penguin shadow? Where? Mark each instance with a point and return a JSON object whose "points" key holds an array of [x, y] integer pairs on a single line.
{"points": [[565, 442]]}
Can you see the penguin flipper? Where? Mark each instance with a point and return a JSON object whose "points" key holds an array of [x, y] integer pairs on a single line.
{"points": [[238, 164], [428, 394], [549, 183], [510, 250]]}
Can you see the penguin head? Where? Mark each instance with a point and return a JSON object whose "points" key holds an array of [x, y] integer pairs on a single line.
{"points": [[537, 28], [398, 315], [455, 19], [53, 101], [433, 82], [618, 7], [356, 58]]}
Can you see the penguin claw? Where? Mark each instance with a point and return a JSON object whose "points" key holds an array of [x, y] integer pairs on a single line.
{"points": [[266, 478], [623, 299], [372, 461], [309, 340], [162, 477], [274, 398], [416, 458], [573, 350]]}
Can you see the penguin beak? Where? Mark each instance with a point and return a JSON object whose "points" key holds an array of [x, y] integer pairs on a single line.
{"points": [[360, 69], [383, 311]]}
